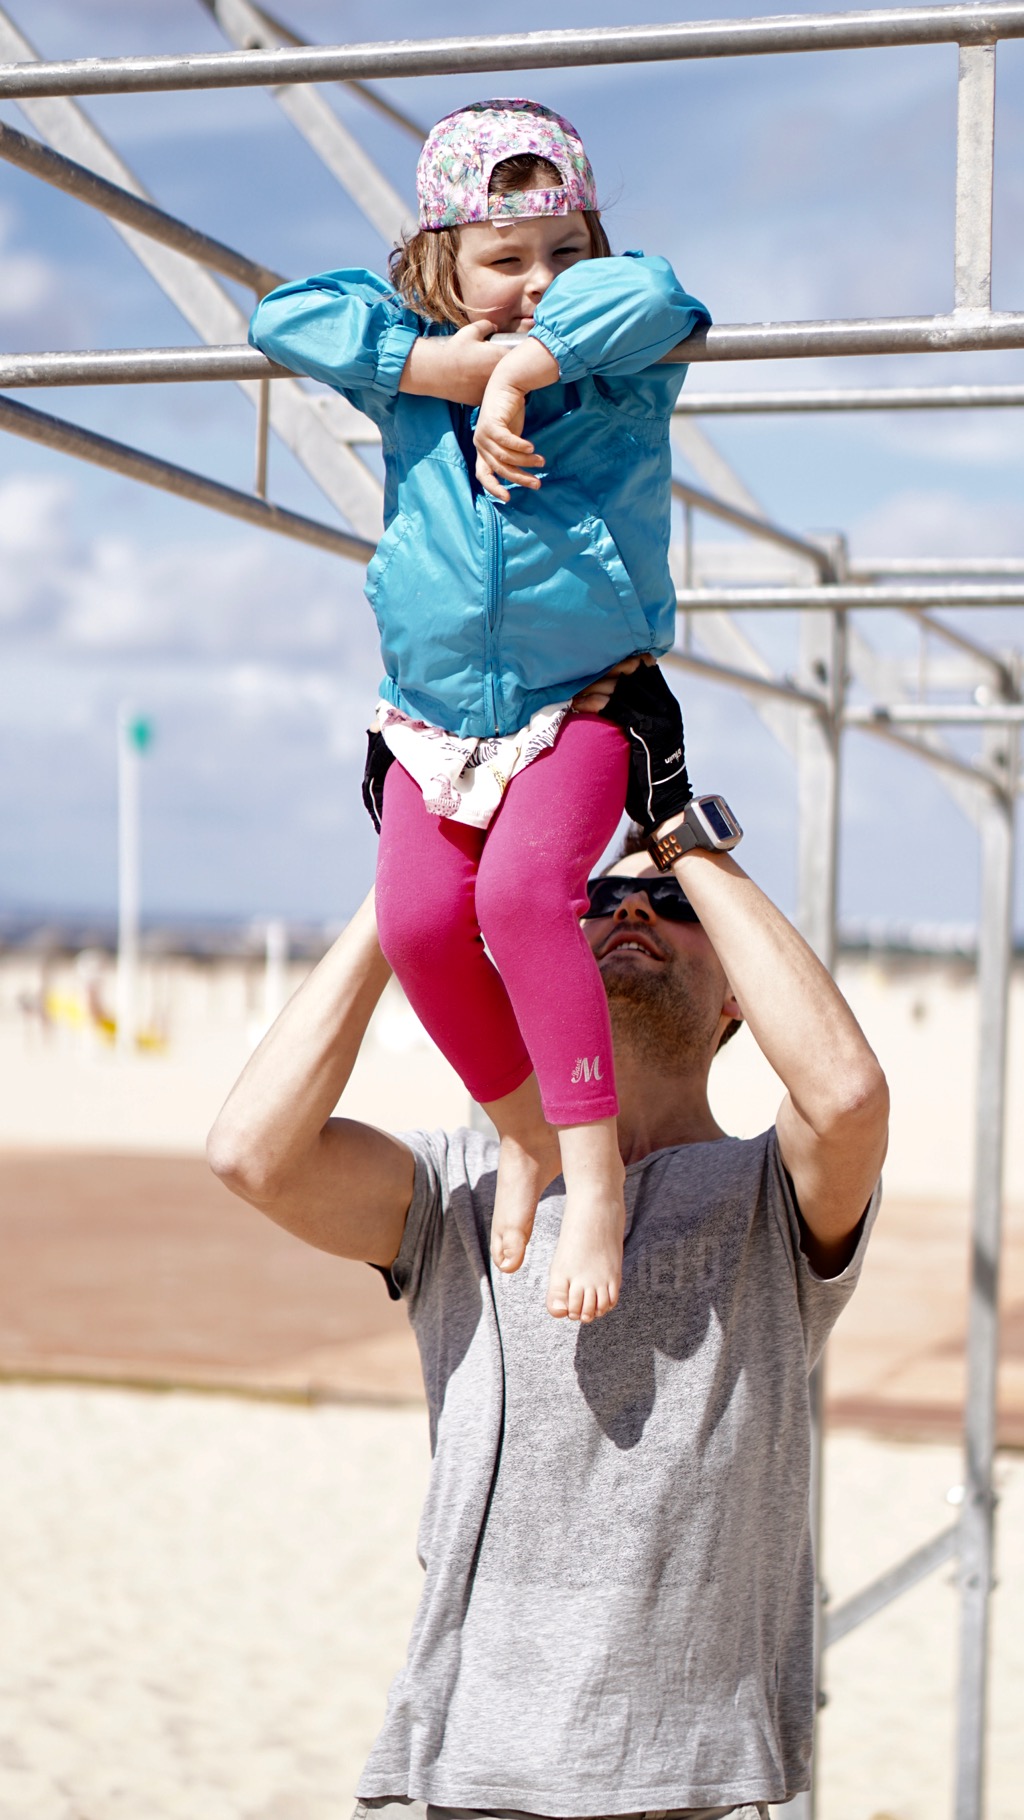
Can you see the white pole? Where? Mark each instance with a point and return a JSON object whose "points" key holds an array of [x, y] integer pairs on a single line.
{"points": [[133, 736], [274, 992]]}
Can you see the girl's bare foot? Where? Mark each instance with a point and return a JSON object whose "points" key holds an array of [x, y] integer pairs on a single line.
{"points": [[529, 1159], [586, 1270]]}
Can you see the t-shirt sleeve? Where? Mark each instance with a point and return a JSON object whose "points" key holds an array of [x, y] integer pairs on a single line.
{"points": [[612, 317], [821, 1299], [348, 329], [424, 1221]]}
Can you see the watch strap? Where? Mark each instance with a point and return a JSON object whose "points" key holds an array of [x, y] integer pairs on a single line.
{"points": [[665, 849]]}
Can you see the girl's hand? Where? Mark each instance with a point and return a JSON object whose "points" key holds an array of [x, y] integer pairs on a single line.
{"points": [[597, 696], [500, 445]]}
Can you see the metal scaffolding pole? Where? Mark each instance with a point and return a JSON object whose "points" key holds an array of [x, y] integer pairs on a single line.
{"points": [[694, 403], [283, 34], [975, 151], [977, 1522], [119, 204], [315, 119], [104, 452], [822, 670], [937, 714], [872, 30], [816, 554], [727, 341], [848, 596], [873, 568], [315, 430]]}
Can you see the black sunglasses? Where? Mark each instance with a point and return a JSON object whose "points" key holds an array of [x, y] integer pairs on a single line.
{"points": [[665, 896]]}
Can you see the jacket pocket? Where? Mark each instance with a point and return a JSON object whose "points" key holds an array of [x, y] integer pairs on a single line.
{"points": [[382, 556], [606, 554], [571, 609]]}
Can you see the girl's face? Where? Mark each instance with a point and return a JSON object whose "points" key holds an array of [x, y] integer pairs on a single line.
{"points": [[503, 272]]}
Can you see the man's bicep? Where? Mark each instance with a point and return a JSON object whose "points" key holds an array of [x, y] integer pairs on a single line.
{"points": [[833, 1174], [354, 1195]]}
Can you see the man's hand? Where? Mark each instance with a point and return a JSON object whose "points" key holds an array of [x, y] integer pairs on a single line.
{"points": [[456, 367], [644, 706], [502, 450], [596, 696]]}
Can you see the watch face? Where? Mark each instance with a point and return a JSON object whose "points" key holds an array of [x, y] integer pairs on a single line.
{"points": [[719, 821]]}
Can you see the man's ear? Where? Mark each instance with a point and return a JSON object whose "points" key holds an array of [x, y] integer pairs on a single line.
{"points": [[731, 1006]]}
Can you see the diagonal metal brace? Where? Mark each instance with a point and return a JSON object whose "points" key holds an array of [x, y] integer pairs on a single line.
{"points": [[888, 1586], [121, 458]]}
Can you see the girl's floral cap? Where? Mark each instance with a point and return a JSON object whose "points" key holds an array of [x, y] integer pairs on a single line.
{"points": [[461, 151]]}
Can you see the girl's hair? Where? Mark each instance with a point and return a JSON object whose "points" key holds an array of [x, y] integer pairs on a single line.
{"points": [[423, 269]]}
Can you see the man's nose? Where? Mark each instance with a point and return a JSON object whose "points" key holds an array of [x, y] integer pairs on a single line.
{"points": [[634, 908]]}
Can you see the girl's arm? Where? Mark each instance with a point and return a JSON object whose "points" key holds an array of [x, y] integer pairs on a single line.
{"points": [[607, 318], [615, 317], [348, 329], [456, 367]]}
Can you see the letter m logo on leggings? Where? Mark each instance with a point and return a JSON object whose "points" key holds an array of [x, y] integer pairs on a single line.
{"points": [[587, 1071]]}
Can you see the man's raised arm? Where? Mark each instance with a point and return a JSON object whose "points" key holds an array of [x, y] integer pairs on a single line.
{"points": [[833, 1123], [340, 1185]]}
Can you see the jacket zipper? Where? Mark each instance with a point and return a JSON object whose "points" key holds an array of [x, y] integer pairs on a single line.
{"points": [[492, 539]]}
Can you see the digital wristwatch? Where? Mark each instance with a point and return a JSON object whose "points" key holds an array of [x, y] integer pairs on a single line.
{"points": [[707, 822]]}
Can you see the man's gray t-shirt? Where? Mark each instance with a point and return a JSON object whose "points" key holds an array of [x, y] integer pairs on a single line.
{"points": [[617, 1608]]}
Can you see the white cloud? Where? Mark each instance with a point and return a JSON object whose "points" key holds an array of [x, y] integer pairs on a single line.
{"points": [[983, 438], [244, 594], [938, 521], [32, 517], [30, 282]]}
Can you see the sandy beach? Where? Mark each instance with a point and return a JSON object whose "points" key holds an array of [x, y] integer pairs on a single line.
{"points": [[206, 1594], [206, 1597]]}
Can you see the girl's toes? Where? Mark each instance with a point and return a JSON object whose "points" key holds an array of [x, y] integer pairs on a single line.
{"points": [[590, 1307], [576, 1301], [608, 1295], [508, 1248], [558, 1300]]}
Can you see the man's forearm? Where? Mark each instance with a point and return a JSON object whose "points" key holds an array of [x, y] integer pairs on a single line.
{"points": [[795, 1011], [832, 1125]]}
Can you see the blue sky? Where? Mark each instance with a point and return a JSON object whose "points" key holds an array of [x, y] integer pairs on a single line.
{"points": [[781, 188]]}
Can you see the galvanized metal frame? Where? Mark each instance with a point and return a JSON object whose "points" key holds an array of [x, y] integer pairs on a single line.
{"points": [[809, 715]]}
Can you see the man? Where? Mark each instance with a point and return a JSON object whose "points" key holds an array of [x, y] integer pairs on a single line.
{"points": [[617, 1608]]}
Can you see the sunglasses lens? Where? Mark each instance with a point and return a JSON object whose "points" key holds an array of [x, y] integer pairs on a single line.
{"points": [[666, 898]]}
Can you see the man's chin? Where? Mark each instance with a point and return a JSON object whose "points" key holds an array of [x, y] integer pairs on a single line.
{"points": [[627, 974], [652, 1013]]}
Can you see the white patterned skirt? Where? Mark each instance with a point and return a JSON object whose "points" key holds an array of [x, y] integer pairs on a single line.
{"points": [[464, 780]]}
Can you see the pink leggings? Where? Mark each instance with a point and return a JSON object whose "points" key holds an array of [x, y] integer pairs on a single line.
{"points": [[443, 887]]}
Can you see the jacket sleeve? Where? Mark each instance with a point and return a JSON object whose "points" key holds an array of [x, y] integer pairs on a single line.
{"points": [[348, 329], [612, 317]]}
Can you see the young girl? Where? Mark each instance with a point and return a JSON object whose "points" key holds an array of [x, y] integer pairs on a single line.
{"points": [[524, 557]]}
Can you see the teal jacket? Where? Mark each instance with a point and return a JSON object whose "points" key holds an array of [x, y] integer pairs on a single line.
{"points": [[486, 611]]}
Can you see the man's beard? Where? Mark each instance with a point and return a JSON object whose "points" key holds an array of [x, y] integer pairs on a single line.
{"points": [[655, 1014]]}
